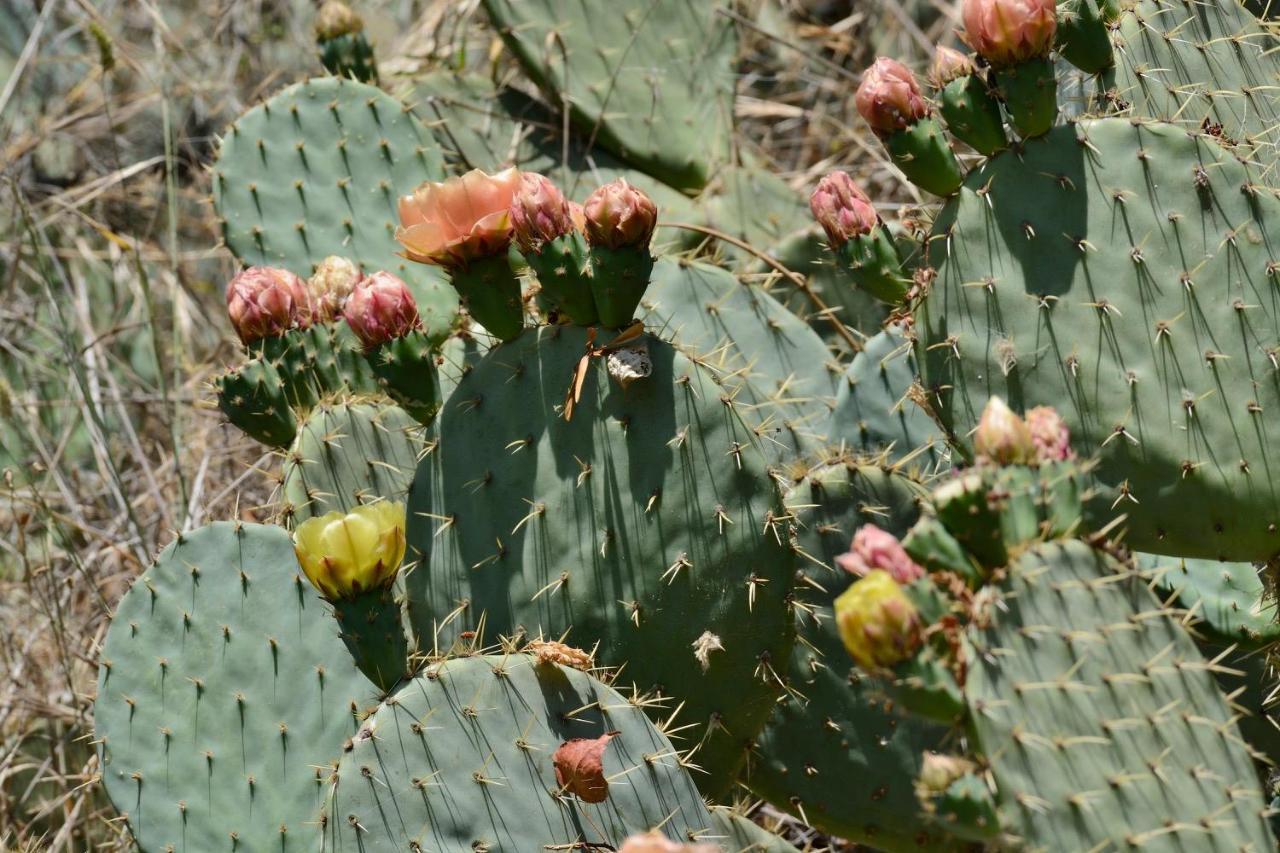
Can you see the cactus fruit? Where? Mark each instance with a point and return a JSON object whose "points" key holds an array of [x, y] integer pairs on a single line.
{"points": [[651, 82], [223, 690], [965, 102], [461, 759], [890, 101], [317, 168], [854, 231], [344, 50], [1181, 441], [643, 523], [554, 246], [1015, 37], [619, 221]]}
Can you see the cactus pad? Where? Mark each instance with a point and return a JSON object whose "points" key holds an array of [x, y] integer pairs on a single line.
{"points": [[347, 454], [1126, 274], [318, 170], [647, 524], [1229, 600], [460, 759], [650, 80], [223, 689]]}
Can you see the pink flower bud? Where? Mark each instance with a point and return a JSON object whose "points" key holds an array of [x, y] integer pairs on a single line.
{"points": [[619, 216], [949, 64], [1005, 32], [539, 212], [265, 302], [889, 97], [380, 309], [454, 222], [842, 209], [1049, 434], [873, 548], [1002, 436]]}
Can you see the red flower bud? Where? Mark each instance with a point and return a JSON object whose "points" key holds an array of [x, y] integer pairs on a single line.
{"points": [[619, 216], [1005, 32], [842, 209], [265, 302], [949, 64], [889, 97], [380, 309], [539, 212]]}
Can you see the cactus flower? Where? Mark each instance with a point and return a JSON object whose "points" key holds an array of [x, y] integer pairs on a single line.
{"points": [[842, 209], [656, 842], [1006, 32], [1002, 437], [347, 554], [889, 97], [452, 223], [330, 285], [579, 765], [877, 622], [949, 64], [1049, 435], [873, 548], [265, 302], [619, 216], [539, 212], [380, 309]]}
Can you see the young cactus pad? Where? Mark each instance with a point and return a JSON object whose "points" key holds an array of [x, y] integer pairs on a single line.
{"points": [[650, 81], [1124, 273], [461, 759], [223, 691], [648, 524], [347, 454], [319, 167]]}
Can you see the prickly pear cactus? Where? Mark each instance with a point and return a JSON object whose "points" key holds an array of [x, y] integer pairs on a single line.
{"points": [[650, 81], [223, 693], [1229, 601], [737, 833], [783, 368], [461, 759], [836, 753], [1123, 272], [320, 166], [349, 453], [647, 524]]}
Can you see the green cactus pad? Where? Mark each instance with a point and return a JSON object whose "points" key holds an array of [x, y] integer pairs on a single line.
{"points": [[1124, 274], [1087, 700], [835, 753], [650, 80], [643, 524], [1199, 63], [737, 833], [460, 759], [253, 399], [222, 693], [318, 169], [874, 408], [850, 305], [1229, 600], [347, 454], [783, 367]]}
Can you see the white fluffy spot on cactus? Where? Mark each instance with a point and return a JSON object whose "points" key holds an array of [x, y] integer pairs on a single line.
{"points": [[706, 643], [629, 364]]}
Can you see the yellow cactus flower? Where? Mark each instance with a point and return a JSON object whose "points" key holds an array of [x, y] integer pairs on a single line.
{"points": [[346, 554], [878, 623]]}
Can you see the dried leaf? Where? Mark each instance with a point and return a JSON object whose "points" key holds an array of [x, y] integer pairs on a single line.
{"points": [[579, 767]]}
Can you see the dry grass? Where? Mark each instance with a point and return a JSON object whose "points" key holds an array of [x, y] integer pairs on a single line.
{"points": [[111, 322]]}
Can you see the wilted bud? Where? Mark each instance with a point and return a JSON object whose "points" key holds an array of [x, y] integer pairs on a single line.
{"points": [[380, 309], [1005, 32], [330, 285], [539, 212], [842, 209], [937, 772], [889, 97], [265, 302], [949, 64], [579, 765], [555, 652], [454, 222], [578, 216], [877, 622], [1002, 437], [619, 216], [656, 842], [1049, 435], [873, 548], [346, 554], [334, 19]]}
